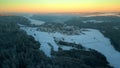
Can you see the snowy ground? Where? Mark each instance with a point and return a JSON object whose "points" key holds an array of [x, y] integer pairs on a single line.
{"points": [[94, 21], [95, 40], [92, 38], [35, 22]]}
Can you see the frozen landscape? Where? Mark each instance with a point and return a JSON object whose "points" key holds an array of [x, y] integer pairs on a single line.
{"points": [[59, 34], [90, 38]]}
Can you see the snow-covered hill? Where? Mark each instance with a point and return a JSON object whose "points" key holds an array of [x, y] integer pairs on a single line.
{"points": [[90, 38]]}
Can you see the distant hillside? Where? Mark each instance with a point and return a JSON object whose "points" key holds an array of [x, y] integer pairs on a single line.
{"points": [[58, 18]]}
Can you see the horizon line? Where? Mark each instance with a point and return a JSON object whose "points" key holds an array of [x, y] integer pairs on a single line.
{"points": [[65, 12]]}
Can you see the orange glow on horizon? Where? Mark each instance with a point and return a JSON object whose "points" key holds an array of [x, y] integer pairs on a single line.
{"points": [[58, 6]]}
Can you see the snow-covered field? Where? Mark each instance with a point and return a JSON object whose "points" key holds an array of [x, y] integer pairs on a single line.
{"points": [[94, 21], [34, 22], [91, 38]]}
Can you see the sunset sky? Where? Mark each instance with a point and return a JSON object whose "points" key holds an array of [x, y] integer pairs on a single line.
{"points": [[59, 6]]}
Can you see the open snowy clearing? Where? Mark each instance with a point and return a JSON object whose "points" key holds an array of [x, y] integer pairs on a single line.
{"points": [[91, 38]]}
